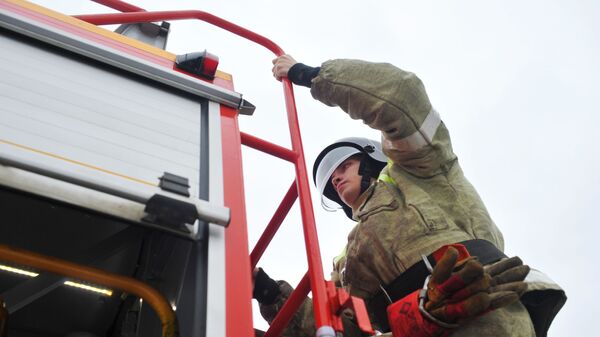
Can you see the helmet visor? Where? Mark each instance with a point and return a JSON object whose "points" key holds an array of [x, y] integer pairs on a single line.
{"points": [[326, 167]]}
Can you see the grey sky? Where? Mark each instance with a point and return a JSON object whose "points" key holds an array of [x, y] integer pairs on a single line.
{"points": [[515, 81]]}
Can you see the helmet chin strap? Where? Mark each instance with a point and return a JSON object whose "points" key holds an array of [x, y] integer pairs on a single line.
{"points": [[366, 171]]}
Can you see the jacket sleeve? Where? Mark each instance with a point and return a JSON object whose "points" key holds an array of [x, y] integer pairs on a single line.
{"points": [[393, 101], [302, 323]]}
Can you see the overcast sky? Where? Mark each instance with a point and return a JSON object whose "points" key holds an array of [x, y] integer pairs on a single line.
{"points": [[516, 82]]}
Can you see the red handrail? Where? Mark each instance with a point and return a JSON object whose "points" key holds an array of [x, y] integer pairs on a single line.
{"points": [[134, 17], [323, 316], [266, 147], [120, 5]]}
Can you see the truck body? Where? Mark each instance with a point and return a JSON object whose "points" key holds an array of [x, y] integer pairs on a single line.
{"points": [[121, 183], [112, 158]]}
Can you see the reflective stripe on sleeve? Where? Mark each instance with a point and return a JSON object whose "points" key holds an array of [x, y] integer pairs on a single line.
{"points": [[420, 138], [539, 277]]}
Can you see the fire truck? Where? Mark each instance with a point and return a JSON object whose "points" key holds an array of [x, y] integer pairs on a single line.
{"points": [[121, 183]]}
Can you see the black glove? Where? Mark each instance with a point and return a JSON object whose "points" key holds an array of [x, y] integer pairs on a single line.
{"points": [[266, 289], [301, 74]]}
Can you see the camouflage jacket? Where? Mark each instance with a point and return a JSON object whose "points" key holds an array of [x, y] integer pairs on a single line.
{"points": [[423, 201]]}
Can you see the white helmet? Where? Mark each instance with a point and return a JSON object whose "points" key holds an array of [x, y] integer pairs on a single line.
{"points": [[372, 162]]}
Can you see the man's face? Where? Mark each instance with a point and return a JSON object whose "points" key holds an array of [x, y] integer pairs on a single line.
{"points": [[346, 180]]}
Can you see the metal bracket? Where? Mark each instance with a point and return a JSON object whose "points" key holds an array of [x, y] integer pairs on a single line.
{"points": [[340, 300], [105, 196], [246, 108], [174, 183], [147, 32], [170, 212]]}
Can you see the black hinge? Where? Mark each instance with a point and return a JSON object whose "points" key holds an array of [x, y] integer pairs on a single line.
{"points": [[176, 184], [162, 210]]}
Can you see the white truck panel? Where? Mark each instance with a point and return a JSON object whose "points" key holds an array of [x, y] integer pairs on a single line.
{"points": [[80, 111]]}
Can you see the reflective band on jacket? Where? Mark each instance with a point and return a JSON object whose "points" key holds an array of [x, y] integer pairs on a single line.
{"points": [[420, 138], [542, 303], [537, 276], [386, 178], [341, 256]]}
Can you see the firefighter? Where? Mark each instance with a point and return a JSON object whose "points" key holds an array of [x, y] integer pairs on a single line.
{"points": [[409, 197]]}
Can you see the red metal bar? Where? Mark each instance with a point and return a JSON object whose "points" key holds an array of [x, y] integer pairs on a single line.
{"points": [[270, 148], [289, 308], [120, 18], [120, 5], [362, 316], [340, 300], [269, 232], [238, 281], [323, 316]]}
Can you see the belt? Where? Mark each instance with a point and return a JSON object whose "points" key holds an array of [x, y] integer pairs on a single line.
{"points": [[412, 279]]}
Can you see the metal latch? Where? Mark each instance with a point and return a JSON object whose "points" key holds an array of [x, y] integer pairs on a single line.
{"points": [[340, 300], [174, 183], [170, 212]]}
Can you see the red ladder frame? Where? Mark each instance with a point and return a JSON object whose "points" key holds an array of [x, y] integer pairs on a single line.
{"points": [[327, 301]]}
